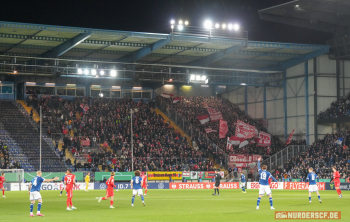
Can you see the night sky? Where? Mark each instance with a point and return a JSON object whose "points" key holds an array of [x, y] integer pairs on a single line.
{"points": [[155, 15]]}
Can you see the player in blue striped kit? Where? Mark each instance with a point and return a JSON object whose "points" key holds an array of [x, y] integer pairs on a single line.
{"points": [[264, 184]]}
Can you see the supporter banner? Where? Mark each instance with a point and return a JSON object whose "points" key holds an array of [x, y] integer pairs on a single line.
{"points": [[256, 185], [186, 174], [224, 185], [263, 140], [223, 129], [290, 137], [176, 100], [210, 174], [85, 142], [166, 95], [29, 176], [160, 175], [204, 175], [244, 130], [301, 186], [203, 119], [343, 186], [194, 175], [209, 130], [119, 176], [50, 186], [241, 158], [214, 114]]}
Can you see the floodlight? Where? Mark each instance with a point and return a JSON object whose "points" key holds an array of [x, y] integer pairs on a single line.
{"points": [[172, 26], [172, 22], [204, 77], [297, 6], [113, 73], [100, 94], [243, 84], [186, 23], [208, 24], [230, 26], [217, 25], [102, 72], [86, 72], [236, 27], [223, 26], [80, 71], [193, 77], [198, 77], [93, 72], [180, 27], [15, 71], [180, 22]]}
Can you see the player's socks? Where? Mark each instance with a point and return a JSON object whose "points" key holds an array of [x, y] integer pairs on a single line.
{"points": [[258, 202], [103, 198], [31, 208], [3, 192], [243, 189], [319, 197], [111, 202], [337, 191], [218, 191], [71, 203], [142, 198], [39, 207], [61, 192], [133, 199], [146, 191], [270, 200], [68, 202], [310, 198]]}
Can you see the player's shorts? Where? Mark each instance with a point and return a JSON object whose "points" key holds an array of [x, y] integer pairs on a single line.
{"points": [[336, 183], [137, 192], [313, 188], [264, 189], [87, 184], [35, 195], [217, 184], [64, 186], [69, 193], [110, 193], [242, 184], [1, 186]]}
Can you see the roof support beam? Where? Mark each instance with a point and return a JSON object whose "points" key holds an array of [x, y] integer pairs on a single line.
{"points": [[216, 56], [139, 54], [66, 46]]}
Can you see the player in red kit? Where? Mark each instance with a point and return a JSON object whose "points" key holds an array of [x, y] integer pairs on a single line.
{"points": [[69, 181], [336, 180], [109, 191], [145, 184], [2, 180]]}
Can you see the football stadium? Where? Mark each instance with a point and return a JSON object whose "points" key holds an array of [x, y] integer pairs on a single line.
{"points": [[199, 123]]}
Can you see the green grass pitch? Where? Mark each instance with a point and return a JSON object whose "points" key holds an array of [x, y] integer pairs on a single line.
{"points": [[170, 205]]}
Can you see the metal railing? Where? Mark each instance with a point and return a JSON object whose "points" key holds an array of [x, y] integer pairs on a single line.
{"points": [[284, 155]]}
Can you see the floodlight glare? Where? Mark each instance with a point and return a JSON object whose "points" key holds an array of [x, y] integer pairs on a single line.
{"points": [[172, 26], [86, 72], [172, 22], [102, 72], [198, 77], [113, 73], [208, 24], [223, 26], [93, 72], [100, 94], [230, 26], [204, 77], [80, 71], [193, 77], [236, 27], [217, 25], [186, 22], [243, 84], [180, 27], [180, 22]]}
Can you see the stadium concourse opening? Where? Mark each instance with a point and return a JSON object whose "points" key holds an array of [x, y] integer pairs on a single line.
{"points": [[86, 108]]}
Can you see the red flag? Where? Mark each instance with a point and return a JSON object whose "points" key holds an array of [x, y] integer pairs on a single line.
{"points": [[177, 99], [223, 129], [234, 140], [208, 130], [290, 137], [86, 108], [166, 95], [215, 115], [82, 105], [245, 130], [263, 140], [203, 119]]}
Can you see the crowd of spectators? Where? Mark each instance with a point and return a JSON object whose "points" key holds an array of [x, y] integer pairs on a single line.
{"points": [[191, 108], [107, 125], [338, 108], [5, 162], [321, 156]]}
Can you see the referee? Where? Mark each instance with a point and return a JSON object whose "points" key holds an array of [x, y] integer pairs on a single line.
{"points": [[217, 182]]}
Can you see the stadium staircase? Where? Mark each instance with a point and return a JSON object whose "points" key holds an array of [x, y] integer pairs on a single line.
{"points": [[36, 116], [21, 134]]}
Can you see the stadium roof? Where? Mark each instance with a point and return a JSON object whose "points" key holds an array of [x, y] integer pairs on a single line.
{"points": [[71, 43]]}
